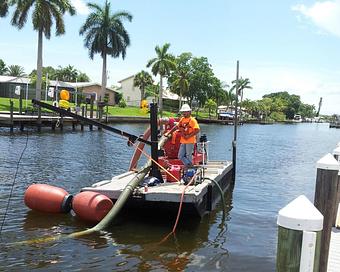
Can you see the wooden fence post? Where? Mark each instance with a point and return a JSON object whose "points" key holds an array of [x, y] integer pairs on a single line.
{"points": [[325, 200], [299, 235]]}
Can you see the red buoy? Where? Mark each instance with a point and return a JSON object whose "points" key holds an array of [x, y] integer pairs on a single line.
{"points": [[91, 206], [47, 198]]}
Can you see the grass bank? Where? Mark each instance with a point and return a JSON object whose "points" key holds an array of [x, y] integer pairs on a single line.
{"points": [[112, 110]]}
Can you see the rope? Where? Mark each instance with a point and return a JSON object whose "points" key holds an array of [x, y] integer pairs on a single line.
{"points": [[179, 212], [13, 183], [150, 158]]}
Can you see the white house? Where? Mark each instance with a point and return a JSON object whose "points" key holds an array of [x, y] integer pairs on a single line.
{"points": [[132, 95]]}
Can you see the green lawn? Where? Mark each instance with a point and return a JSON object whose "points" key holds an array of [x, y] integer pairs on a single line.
{"points": [[112, 110]]}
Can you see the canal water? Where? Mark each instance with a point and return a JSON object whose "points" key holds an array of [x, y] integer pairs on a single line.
{"points": [[276, 163]]}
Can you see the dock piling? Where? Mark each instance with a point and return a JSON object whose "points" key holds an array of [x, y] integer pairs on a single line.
{"points": [[61, 125], [91, 110], [234, 143], [82, 114], [99, 113], [299, 237], [325, 200], [11, 109], [20, 103], [336, 153], [39, 119]]}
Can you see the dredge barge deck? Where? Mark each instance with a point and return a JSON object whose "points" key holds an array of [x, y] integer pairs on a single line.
{"points": [[165, 197]]}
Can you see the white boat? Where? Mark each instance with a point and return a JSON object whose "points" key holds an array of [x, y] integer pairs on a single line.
{"points": [[297, 118]]}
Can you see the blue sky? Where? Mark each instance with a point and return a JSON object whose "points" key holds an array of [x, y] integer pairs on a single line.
{"points": [[290, 45]]}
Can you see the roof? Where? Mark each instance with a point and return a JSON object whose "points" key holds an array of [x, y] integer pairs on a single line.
{"points": [[88, 84], [12, 79], [27, 80], [167, 94], [120, 81], [52, 83]]}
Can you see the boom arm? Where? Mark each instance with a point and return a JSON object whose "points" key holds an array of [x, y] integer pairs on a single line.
{"points": [[131, 137]]}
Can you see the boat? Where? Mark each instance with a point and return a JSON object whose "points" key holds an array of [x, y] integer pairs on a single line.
{"points": [[297, 118], [335, 123], [164, 196], [162, 185]]}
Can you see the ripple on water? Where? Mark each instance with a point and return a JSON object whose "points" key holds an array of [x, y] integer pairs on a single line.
{"points": [[275, 164]]}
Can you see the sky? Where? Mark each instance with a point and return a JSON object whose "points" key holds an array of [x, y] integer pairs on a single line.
{"points": [[290, 45]]}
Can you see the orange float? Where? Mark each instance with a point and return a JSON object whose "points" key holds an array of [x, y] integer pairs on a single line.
{"points": [[91, 206], [64, 95], [47, 198]]}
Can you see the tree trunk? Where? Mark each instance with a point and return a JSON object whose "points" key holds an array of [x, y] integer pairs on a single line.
{"points": [[39, 66], [142, 92], [241, 105], [180, 100], [160, 97], [104, 79]]}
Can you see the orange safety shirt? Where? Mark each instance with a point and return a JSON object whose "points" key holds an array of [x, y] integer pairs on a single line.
{"points": [[187, 126]]}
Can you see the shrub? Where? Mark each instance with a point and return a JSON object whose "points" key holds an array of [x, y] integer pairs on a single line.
{"points": [[122, 103], [278, 116]]}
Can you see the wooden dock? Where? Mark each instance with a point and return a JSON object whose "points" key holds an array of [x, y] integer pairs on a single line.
{"points": [[334, 251], [22, 121], [55, 121]]}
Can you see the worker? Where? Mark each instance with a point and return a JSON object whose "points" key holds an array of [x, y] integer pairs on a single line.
{"points": [[188, 128]]}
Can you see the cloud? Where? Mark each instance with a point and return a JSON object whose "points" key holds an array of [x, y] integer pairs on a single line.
{"points": [[80, 7], [325, 15]]}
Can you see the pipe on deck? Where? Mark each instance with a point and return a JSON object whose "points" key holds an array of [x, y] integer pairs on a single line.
{"points": [[124, 196]]}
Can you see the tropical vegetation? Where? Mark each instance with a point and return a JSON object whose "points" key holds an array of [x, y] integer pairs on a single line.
{"points": [[162, 65], [105, 34], [15, 70], [142, 80], [44, 14]]}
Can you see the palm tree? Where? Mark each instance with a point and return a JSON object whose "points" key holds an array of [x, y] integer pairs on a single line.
{"points": [[69, 74], [3, 68], [105, 34], [142, 80], [4, 7], [161, 65], [83, 77], [43, 14], [242, 84], [181, 84], [15, 70]]}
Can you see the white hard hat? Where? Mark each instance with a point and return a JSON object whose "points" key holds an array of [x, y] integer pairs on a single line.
{"points": [[185, 107]]}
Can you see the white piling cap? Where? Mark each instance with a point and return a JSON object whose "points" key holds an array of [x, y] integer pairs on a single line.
{"points": [[300, 214], [336, 151], [328, 162]]}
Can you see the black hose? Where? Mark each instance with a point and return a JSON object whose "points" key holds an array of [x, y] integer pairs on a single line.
{"points": [[222, 195]]}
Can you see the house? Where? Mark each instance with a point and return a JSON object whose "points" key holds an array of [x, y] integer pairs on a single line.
{"points": [[93, 88], [8, 84], [132, 94]]}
